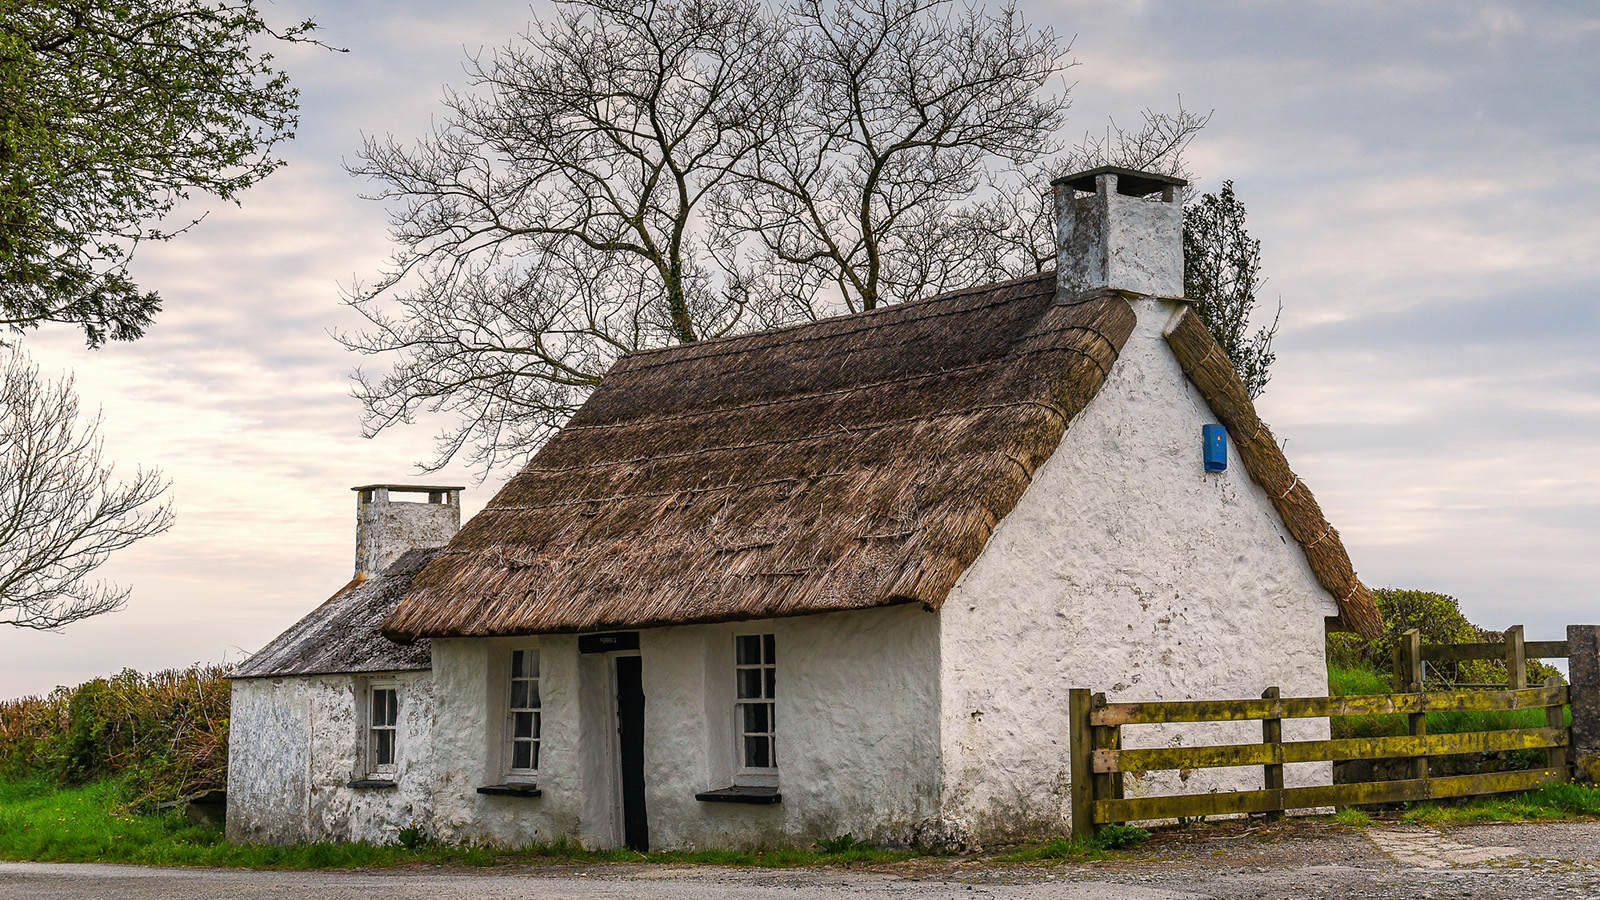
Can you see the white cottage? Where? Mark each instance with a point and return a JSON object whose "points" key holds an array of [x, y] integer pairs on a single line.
{"points": [[838, 578]]}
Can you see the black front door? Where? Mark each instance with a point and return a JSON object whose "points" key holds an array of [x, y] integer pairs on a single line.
{"points": [[630, 732]]}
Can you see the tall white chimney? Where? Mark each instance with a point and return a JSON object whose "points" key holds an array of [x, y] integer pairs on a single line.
{"points": [[387, 528], [1119, 228]]}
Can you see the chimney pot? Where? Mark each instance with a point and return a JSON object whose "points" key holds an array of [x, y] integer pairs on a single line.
{"points": [[1119, 228]]}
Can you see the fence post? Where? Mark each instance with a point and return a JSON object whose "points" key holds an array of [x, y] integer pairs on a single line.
{"points": [[1107, 785], [1516, 660], [1583, 669], [1081, 748], [1272, 733], [1556, 757], [1408, 663], [1412, 676]]}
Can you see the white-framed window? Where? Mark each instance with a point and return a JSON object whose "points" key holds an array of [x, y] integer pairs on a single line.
{"points": [[522, 714], [755, 689], [382, 727]]}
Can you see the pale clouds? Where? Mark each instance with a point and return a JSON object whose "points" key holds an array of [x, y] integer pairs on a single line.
{"points": [[1422, 177]]}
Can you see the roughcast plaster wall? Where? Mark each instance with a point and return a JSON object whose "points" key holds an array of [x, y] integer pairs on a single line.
{"points": [[857, 720], [294, 746], [1126, 568]]}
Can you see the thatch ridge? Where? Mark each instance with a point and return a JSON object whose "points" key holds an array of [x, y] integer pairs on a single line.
{"points": [[1206, 365], [853, 462]]}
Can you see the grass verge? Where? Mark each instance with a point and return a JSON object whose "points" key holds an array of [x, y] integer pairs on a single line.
{"points": [[1549, 803], [93, 824]]}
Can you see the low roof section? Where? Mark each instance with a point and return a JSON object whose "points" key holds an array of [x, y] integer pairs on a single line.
{"points": [[341, 636]]}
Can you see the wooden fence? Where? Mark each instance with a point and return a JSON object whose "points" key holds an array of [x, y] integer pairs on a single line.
{"points": [[1099, 764], [1411, 658]]}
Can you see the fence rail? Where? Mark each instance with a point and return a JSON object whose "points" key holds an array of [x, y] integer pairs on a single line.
{"points": [[1099, 762]]}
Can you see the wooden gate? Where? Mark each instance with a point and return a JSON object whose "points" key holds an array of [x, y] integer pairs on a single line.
{"points": [[1099, 764]]}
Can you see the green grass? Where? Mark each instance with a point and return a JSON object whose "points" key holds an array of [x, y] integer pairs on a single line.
{"points": [[93, 824], [1352, 817], [1343, 682], [1551, 802]]}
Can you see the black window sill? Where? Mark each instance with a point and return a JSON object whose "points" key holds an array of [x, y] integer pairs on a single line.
{"points": [[380, 783], [756, 796], [511, 790]]}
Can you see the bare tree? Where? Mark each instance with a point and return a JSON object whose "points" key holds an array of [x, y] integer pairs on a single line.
{"points": [[904, 107], [633, 175], [550, 223], [1013, 233], [61, 514]]}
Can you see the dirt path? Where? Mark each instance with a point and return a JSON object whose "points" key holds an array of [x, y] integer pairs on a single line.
{"points": [[1233, 860]]}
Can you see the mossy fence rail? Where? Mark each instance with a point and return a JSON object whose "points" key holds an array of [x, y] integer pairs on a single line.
{"points": [[1100, 764]]}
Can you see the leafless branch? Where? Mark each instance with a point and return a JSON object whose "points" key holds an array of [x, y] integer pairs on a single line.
{"points": [[61, 513]]}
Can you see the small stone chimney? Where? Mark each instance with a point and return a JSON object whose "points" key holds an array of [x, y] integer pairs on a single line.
{"points": [[387, 527], [1119, 228]]}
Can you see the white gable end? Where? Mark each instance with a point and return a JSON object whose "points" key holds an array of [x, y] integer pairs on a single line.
{"points": [[1125, 568]]}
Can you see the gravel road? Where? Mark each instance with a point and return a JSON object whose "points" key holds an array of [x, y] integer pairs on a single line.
{"points": [[1232, 860]]}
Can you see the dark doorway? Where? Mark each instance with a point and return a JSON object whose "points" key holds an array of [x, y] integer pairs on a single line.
{"points": [[630, 734]]}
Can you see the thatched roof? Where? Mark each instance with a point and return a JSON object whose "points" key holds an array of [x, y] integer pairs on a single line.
{"points": [[854, 462], [1208, 367], [341, 635]]}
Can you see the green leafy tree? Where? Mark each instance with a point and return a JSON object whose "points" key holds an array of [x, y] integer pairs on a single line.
{"points": [[1221, 276], [113, 113], [1438, 620]]}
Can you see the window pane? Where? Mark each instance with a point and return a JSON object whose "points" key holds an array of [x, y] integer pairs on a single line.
{"points": [[522, 726], [383, 707], [391, 707], [534, 746], [755, 753], [524, 664], [519, 695], [772, 690], [755, 717], [749, 649], [384, 750], [522, 755], [767, 641], [533, 694], [749, 683]]}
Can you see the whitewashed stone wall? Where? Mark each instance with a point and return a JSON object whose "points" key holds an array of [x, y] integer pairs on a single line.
{"points": [[1126, 568], [295, 744], [857, 716]]}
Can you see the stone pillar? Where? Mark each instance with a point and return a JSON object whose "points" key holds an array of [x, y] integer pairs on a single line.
{"points": [[1583, 662]]}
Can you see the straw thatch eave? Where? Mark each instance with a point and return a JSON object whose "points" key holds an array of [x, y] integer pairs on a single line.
{"points": [[856, 462], [1206, 365]]}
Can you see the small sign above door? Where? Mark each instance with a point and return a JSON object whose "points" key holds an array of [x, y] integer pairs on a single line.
{"points": [[608, 642]]}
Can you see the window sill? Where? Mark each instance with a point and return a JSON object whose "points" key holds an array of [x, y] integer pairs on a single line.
{"points": [[755, 796], [380, 783], [511, 790]]}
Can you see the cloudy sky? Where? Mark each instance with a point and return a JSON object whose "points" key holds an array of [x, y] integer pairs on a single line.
{"points": [[1424, 178]]}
